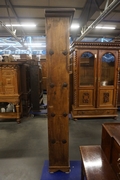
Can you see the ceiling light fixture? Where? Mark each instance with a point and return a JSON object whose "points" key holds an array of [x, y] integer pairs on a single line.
{"points": [[75, 26], [104, 27], [35, 44], [23, 25]]}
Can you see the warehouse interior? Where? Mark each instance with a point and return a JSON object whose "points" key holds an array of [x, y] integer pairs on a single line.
{"points": [[88, 14], [24, 119]]}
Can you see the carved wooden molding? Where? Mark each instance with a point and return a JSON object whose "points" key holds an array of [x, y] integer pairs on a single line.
{"points": [[94, 45], [6, 66], [75, 79]]}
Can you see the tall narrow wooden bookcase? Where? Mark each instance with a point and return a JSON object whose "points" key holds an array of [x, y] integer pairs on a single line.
{"points": [[57, 38]]}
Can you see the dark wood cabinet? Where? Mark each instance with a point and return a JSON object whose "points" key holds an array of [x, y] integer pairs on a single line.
{"points": [[95, 77], [26, 88], [115, 157], [110, 143], [36, 85]]}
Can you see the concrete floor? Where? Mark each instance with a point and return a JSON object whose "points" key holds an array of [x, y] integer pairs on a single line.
{"points": [[24, 147]]}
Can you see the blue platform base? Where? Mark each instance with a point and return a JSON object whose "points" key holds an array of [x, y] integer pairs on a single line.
{"points": [[74, 174]]}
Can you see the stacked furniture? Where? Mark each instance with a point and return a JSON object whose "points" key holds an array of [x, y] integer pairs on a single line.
{"points": [[20, 88]]}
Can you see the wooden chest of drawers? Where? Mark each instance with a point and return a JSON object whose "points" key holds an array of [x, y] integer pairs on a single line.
{"points": [[111, 145]]}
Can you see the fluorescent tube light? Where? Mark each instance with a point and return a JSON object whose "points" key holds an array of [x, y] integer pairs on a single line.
{"points": [[75, 26], [35, 44], [104, 27], [23, 25]]}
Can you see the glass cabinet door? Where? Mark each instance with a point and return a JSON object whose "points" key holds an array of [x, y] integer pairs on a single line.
{"points": [[86, 72], [107, 69], [107, 78]]}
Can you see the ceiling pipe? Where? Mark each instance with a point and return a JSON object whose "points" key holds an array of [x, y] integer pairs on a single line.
{"points": [[112, 6], [3, 25], [15, 14]]}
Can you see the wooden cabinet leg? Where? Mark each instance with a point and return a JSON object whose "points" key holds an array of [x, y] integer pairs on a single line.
{"points": [[18, 113]]}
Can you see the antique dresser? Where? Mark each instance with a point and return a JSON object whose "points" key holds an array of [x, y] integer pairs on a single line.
{"points": [[11, 90]]}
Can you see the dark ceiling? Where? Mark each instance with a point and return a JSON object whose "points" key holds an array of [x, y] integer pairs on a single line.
{"points": [[88, 13]]}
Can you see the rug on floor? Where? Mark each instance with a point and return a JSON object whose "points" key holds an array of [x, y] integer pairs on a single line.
{"points": [[74, 174]]}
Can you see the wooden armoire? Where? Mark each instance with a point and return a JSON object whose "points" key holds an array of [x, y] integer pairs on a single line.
{"points": [[57, 38], [25, 84], [36, 85], [95, 79]]}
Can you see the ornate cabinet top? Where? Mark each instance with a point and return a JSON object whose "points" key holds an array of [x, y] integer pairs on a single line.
{"points": [[95, 45]]}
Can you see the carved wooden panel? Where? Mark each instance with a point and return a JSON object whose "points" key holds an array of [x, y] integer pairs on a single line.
{"points": [[10, 80], [75, 79], [86, 98], [106, 97]]}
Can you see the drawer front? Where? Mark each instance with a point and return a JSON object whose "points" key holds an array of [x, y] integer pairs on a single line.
{"points": [[106, 143], [115, 158]]}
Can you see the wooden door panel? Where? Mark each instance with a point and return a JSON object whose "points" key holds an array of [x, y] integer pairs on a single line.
{"points": [[106, 93], [106, 97], [86, 98], [87, 79], [8, 84]]}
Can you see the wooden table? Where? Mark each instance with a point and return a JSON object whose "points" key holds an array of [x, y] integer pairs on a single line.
{"points": [[95, 165]]}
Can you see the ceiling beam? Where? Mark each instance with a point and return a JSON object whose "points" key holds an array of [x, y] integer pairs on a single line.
{"points": [[41, 7], [15, 14], [112, 6], [42, 18], [8, 30], [47, 7]]}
